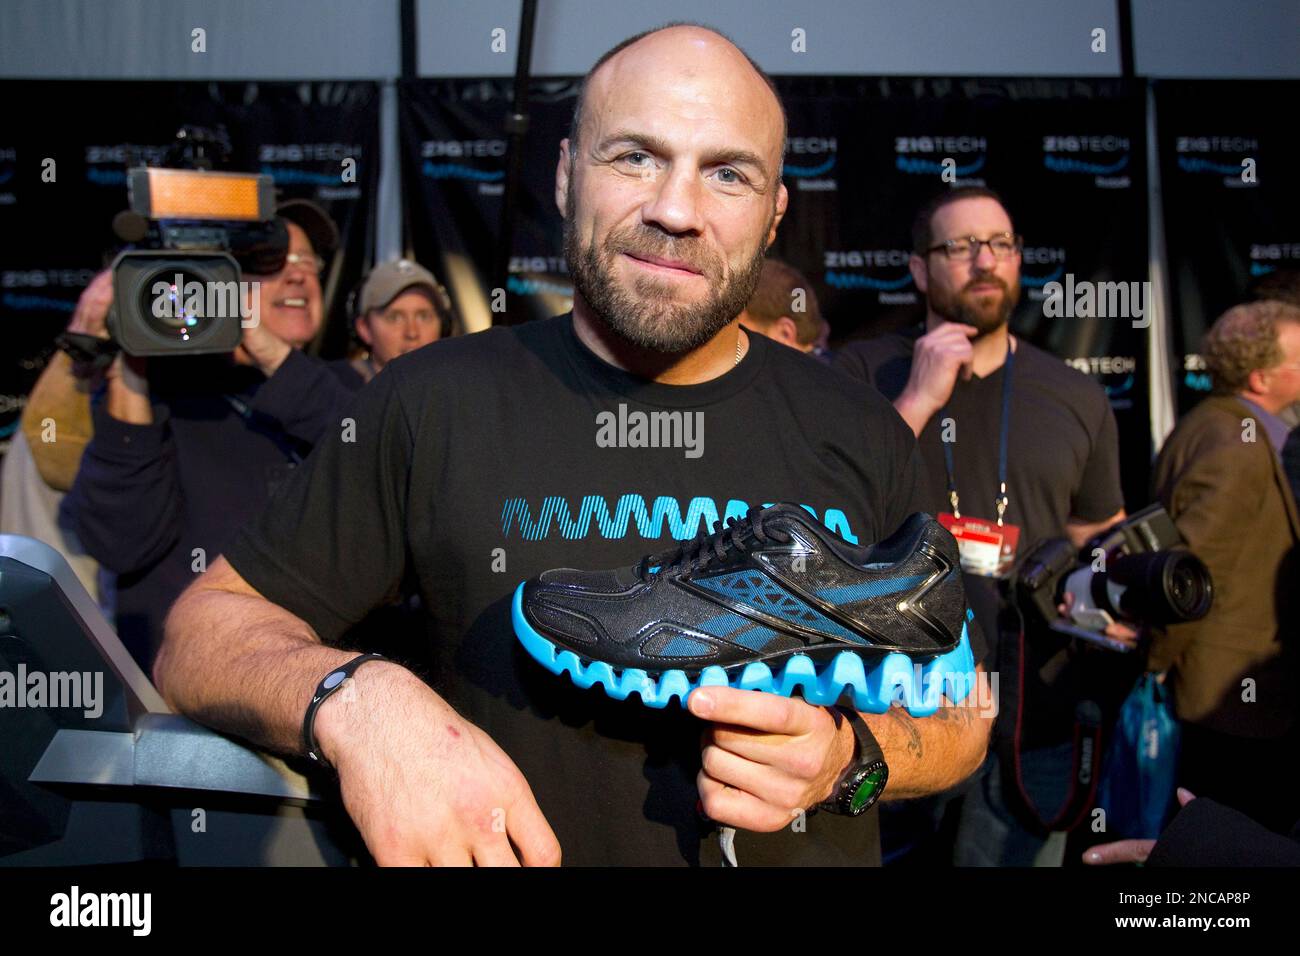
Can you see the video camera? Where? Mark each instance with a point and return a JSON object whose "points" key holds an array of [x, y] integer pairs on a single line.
{"points": [[1138, 572], [192, 233]]}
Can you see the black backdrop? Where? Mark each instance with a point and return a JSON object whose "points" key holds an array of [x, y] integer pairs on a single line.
{"points": [[1068, 155], [1222, 232], [57, 234]]}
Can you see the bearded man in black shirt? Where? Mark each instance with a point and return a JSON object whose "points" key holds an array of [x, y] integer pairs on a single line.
{"points": [[1017, 447], [478, 463]]}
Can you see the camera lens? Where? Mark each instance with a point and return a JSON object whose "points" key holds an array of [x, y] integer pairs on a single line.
{"points": [[173, 305], [169, 302], [1187, 586], [1163, 587]]}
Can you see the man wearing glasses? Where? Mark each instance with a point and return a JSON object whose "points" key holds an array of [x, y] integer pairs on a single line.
{"points": [[1017, 447], [185, 450]]}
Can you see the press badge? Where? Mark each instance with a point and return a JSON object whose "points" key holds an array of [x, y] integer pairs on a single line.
{"points": [[985, 547]]}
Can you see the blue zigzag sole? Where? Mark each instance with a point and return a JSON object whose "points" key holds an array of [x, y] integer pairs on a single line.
{"points": [[896, 677]]}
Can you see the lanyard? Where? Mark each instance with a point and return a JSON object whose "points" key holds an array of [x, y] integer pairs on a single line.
{"points": [[1001, 500]]}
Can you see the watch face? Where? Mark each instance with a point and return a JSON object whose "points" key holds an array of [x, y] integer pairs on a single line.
{"points": [[868, 789]]}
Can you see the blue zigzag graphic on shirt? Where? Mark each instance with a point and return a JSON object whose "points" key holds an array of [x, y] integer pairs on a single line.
{"points": [[555, 515]]}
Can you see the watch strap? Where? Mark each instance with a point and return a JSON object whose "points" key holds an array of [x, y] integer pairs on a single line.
{"points": [[861, 785]]}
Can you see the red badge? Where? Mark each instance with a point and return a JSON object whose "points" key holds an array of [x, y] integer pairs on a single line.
{"points": [[985, 547]]}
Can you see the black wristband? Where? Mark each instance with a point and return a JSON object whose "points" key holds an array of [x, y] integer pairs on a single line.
{"points": [[331, 682]]}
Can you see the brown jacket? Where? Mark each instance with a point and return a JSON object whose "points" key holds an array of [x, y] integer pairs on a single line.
{"points": [[1231, 500], [57, 422]]}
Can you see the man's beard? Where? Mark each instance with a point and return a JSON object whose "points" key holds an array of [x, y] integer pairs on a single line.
{"points": [[965, 307], [646, 315]]}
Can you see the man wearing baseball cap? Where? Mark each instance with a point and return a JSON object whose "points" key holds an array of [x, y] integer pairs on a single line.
{"points": [[401, 307]]}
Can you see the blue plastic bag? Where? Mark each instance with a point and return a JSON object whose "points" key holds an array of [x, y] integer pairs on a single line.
{"points": [[1138, 779]]}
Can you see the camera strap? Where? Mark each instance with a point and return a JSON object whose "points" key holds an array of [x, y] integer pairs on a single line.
{"points": [[1085, 761]]}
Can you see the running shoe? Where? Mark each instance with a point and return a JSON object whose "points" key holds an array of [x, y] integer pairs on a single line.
{"points": [[773, 601]]}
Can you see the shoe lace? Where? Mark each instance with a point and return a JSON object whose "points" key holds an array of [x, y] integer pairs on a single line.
{"points": [[696, 554]]}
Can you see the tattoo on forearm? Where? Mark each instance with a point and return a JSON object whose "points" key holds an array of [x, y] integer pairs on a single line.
{"points": [[913, 735], [959, 714]]}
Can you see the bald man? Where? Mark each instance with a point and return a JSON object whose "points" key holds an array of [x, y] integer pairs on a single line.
{"points": [[477, 464]]}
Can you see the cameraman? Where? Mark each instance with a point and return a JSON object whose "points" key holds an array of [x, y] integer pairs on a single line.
{"points": [[189, 447], [1220, 477]]}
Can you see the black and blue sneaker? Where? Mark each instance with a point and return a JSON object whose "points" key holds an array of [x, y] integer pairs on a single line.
{"points": [[773, 601]]}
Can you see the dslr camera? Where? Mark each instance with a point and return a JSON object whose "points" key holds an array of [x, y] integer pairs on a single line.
{"points": [[1138, 572]]}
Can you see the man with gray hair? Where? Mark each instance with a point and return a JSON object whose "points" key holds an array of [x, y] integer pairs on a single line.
{"points": [[1220, 477]]}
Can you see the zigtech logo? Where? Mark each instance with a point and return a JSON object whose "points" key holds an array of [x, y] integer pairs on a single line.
{"points": [[915, 154], [1104, 157], [106, 165], [555, 517], [454, 159], [1233, 158]]}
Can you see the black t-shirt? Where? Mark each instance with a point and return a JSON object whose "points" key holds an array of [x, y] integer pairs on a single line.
{"points": [[1062, 462], [481, 451]]}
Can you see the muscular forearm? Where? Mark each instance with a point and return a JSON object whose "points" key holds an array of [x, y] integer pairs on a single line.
{"points": [[930, 754], [247, 667]]}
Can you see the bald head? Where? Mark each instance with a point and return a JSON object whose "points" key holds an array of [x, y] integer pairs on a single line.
{"points": [[670, 186], [692, 49]]}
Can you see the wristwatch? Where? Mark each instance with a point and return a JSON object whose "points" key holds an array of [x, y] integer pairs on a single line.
{"points": [[861, 785]]}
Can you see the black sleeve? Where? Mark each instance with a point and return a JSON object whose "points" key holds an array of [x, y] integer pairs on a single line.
{"points": [[909, 493], [1206, 833], [849, 360], [1099, 494], [331, 544], [125, 503], [304, 396]]}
